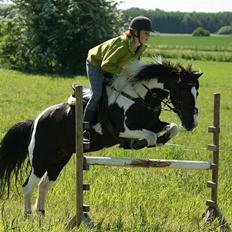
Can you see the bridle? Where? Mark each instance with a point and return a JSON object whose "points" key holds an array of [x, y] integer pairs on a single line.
{"points": [[167, 103]]}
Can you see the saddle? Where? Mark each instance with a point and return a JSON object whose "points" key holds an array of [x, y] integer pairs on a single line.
{"points": [[102, 108]]}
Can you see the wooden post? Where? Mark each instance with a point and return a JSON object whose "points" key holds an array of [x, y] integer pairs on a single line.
{"points": [[79, 154], [213, 210], [216, 124], [76, 220]]}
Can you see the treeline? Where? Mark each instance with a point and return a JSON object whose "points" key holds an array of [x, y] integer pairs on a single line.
{"points": [[180, 22]]}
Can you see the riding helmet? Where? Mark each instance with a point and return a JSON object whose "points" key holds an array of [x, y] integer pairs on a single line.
{"points": [[141, 23]]}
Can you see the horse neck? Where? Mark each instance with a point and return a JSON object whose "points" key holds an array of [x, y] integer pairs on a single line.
{"points": [[134, 89], [121, 84], [142, 87]]}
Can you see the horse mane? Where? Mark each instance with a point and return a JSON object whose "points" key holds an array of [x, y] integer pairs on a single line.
{"points": [[143, 71]]}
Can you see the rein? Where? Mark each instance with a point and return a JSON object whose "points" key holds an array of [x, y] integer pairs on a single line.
{"points": [[175, 110], [167, 103]]}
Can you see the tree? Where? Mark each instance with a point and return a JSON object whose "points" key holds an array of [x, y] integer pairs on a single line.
{"points": [[55, 35], [200, 32], [225, 30]]}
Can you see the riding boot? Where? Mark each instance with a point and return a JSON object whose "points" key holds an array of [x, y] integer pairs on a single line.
{"points": [[89, 116]]}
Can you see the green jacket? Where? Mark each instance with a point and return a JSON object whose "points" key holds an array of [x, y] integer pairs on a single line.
{"points": [[113, 54]]}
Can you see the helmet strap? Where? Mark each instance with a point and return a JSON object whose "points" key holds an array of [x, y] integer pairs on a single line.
{"points": [[137, 35], [139, 32]]}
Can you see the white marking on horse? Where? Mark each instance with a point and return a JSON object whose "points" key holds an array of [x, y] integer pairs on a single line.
{"points": [[133, 68], [68, 110], [172, 129], [194, 93], [150, 136], [27, 190], [71, 101], [44, 186], [32, 141], [98, 128]]}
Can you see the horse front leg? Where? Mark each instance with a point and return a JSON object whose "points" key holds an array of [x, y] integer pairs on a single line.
{"points": [[171, 130], [139, 138]]}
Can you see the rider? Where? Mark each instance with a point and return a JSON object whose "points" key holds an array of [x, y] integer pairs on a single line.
{"points": [[111, 56]]}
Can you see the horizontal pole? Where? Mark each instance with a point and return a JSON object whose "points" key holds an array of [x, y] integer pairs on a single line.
{"points": [[148, 163]]}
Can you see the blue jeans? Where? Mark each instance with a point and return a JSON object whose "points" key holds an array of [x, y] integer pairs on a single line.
{"points": [[96, 79]]}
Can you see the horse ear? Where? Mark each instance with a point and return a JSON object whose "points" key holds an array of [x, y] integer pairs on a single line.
{"points": [[197, 75]]}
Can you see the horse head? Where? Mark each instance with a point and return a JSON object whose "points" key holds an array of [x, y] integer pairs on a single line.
{"points": [[183, 94], [180, 84]]}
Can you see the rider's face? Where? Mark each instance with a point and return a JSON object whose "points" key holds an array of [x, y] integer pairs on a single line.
{"points": [[144, 36]]}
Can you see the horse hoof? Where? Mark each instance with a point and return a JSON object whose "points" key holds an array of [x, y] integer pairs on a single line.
{"points": [[139, 144], [27, 214], [41, 212], [163, 139]]}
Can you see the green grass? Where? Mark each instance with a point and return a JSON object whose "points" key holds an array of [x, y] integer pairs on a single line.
{"points": [[212, 42], [124, 199], [215, 48]]}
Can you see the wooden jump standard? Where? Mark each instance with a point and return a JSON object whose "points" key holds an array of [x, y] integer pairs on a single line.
{"points": [[83, 162]]}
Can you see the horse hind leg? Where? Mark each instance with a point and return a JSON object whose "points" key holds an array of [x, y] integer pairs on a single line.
{"points": [[44, 186], [28, 188], [48, 179]]}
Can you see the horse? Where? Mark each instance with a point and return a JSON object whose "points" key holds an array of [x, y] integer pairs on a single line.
{"points": [[129, 117]]}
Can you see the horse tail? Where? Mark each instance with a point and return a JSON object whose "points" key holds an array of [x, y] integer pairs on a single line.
{"points": [[13, 152]]}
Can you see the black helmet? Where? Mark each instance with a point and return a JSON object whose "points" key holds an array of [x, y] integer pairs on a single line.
{"points": [[141, 23]]}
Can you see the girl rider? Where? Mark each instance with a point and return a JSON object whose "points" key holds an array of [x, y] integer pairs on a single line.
{"points": [[111, 55]]}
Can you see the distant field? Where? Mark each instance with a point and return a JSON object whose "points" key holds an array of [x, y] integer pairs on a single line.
{"points": [[212, 42], [124, 199], [215, 48]]}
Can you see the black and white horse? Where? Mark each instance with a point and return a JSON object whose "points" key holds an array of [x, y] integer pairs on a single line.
{"points": [[134, 100]]}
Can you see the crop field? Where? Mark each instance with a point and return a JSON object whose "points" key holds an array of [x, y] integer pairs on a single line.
{"points": [[126, 199]]}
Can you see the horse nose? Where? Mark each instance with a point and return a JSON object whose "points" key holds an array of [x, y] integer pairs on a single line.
{"points": [[195, 121], [191, 127], [195, 124]]}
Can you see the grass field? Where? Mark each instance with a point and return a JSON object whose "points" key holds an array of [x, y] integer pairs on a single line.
{"points": [[124, 199], [215, 48]]}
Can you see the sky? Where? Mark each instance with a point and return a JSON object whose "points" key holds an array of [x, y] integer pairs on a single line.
{"points": [[179, 5]]}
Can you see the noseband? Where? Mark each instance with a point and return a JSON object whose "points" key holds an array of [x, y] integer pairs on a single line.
{"points": [[175, 109]]}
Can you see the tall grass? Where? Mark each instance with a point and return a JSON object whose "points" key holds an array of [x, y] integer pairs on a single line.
{"points": [[124, 199]]}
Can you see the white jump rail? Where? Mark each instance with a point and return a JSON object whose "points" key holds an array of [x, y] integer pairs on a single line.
{"points": [[148, 163]]}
